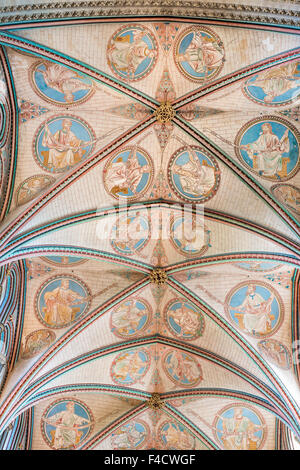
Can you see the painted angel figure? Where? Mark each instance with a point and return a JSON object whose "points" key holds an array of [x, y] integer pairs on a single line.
{"points": [[127, 317], [183, 367], [128, 233], [196, 178], [187, 319], [126, 56], [277, 81], [127, 437], [269, 150], [67, 427], [124, 176], [202, 54], [63, 80], [191, 235]]}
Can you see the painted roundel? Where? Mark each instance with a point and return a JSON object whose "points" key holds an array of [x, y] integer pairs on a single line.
{"points": [[131, 233], [287, 194], [66, 423], [130, 366], [132, 52], [182, 368], [199, 53], [276, 352], [183, 319], [130, 318], [128, 173], [239, 427], [60, 85], [193, 175], [258, 266], [277, 86], [61, 300], [31, 187], [269, 147], [189, 236], [132, 435], [255, 308], [173, 435], [65, 261], [61, 142]]}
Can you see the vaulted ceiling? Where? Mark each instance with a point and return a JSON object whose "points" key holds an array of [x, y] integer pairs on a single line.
{"points": [[149, 242]]}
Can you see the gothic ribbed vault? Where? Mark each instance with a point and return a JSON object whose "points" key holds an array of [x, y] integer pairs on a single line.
{"points": [[149, 240]]}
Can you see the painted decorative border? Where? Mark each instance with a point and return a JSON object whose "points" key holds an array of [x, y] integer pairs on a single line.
{"points": [[149, 319], [247, 126], [31, 71], [202, 321], [256, 14], [177, 42], [217, 174], [56, 402], [47, 281], [266, 286], [240, 405], [52, 118]]}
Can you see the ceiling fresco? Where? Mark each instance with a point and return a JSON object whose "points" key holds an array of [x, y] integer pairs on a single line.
{"points": [[150, 213]]}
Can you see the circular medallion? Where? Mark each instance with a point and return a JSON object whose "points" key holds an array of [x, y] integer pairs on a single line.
{"points": [[61, 300], [182, 368], [31, 187], [131, 233], [239, 427], [277, 86], [132, 435], [128, 173], [183, 319], [193, 175], [130, 366], [189, 236], [61, 142], [269, 147], [258, 266], [130, 318], [288, 195], [132, 52], [66, 423], [65, 261], [276, 353], [175, 436], [36, 342], [199, 54], [60, 85], [255, 308]]}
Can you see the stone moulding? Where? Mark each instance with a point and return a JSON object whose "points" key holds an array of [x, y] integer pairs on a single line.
{"points": [[154, 8]]}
